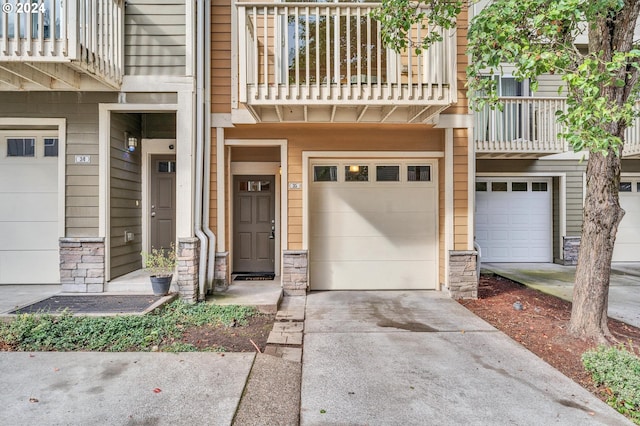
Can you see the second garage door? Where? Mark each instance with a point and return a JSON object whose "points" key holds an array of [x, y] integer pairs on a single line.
{"points": [[627, 248], [373, 225], [514, 219]]}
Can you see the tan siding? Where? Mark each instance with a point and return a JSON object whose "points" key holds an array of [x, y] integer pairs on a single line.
{"points": [[126, 192], [155, 38], [461, 192], [335, 137], [213, 188], [221, 56]]}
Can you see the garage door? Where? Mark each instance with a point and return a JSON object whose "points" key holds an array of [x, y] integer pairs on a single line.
{"points": [[514, 219], [28, 209], [373, 225], [627, 248]]}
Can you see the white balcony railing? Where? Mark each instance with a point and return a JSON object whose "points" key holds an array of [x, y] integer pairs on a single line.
{"points": [[331, 53], [87, 34], [528, 125], [524, 125]]}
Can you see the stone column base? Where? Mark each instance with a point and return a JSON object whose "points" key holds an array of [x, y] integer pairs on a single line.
{"points": [[463, 279], [570, 250], [295, 272], [82, 265], [188, 268], [221, 273]]}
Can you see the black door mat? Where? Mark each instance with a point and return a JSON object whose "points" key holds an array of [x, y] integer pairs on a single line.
{"points": [[254, 277], [96, 304]]}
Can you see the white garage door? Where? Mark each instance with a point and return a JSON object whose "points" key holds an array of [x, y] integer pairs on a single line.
{"points": [[514, 219], [28, 209], [627, 248], [373, 225]]}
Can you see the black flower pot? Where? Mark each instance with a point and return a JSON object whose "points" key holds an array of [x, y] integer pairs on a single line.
{"points": [[160, 285]]}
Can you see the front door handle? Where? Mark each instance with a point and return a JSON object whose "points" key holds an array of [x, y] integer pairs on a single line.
{"points": [[273, 232], [153, 214]]}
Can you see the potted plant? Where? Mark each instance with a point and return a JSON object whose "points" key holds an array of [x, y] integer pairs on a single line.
{"points": [[161, 263]]}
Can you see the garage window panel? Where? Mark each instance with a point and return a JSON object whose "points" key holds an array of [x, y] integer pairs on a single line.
{"points": [[625, 186], [539, 186], [356, 173], [420, 173], [388, 173], [481, 186], [51, 147], [499, 186], [519, 186], [21, 147], [325, 173]]}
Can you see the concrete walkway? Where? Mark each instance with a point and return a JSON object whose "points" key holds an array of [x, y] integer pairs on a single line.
{"points": [[624, 287], [415, 358]]}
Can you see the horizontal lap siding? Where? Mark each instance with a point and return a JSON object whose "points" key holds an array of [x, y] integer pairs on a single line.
{"points": [[221, 56], [335, 137], [155, 38], [125, 191], [81, 113]]}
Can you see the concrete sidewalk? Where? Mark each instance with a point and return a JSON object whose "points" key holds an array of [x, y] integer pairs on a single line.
{"points": [[415, 358], [624, 286], [91, 388]]}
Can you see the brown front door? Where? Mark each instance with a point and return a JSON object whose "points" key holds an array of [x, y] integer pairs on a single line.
{"points": [[254, 223], [162, 207]]}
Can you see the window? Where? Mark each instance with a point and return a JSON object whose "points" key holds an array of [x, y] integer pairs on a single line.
{"points": [[21, 147], [388, 173], [254, 185], [166, 166], [625, 186], [356, 173], [51, 147], [419, 173], [499, 186], [325, 173], [539, 186], [519, 187], [481, 186]]}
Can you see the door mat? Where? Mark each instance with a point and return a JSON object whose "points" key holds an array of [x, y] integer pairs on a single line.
{"points": [[95, 304], [254, 277]]}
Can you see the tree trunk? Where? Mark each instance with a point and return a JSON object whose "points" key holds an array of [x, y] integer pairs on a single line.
{"points": [[602, 214]]}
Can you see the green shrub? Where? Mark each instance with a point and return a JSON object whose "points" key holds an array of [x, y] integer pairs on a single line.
{"points": [[618, 370], [66, 332]]}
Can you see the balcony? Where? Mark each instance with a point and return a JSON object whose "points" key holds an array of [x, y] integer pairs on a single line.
{"points": [[325, 62], [527, 127], [61, 45]]}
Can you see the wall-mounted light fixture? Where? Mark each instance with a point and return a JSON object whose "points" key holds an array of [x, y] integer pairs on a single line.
{"points": [[130, 142], [354, 169]]}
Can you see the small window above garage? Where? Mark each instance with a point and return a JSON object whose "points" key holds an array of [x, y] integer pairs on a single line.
{"points": [[21, 147]]}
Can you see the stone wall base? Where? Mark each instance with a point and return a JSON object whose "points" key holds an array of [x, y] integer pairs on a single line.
{"points": [[463, 278], [221, 273], [570, 250], [188, 268], [295, 272], [82, 265]]}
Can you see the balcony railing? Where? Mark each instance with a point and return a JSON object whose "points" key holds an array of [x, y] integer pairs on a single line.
{"points": [[528, 126], [86, 34], [332, 54]]}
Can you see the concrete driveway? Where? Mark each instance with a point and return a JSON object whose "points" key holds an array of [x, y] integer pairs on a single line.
{"points": [[415, 358], [624, 285]]}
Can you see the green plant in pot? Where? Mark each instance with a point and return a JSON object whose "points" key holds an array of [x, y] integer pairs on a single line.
{"points": [[161, 263]]}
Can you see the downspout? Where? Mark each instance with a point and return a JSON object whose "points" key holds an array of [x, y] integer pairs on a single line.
{"points": [[200, 119], [211, 264]]}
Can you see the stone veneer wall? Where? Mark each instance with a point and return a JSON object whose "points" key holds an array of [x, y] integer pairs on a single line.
{"points": [[221, 273], [570, 248], [295, 272], [82, 265], [188, 268], [463, 279]]}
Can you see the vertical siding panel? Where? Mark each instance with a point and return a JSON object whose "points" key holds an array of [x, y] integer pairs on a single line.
{"points": [[221, 56]]}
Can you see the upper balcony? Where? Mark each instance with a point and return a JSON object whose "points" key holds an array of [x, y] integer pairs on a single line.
{"points": [[61, 45], [527, 127], [325, 62]]}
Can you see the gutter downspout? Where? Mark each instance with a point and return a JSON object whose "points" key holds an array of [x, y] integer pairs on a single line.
{"points": [[211, 264], [200, 119]]}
